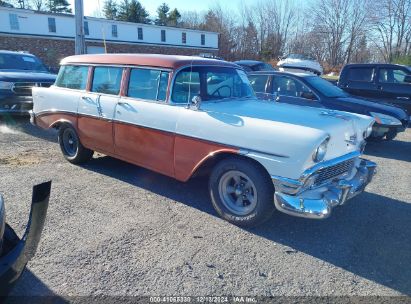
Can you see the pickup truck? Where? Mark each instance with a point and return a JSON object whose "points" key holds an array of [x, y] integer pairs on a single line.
{"points": [[389, 83]]}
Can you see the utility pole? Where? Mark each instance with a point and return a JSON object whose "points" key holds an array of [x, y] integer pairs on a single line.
{"points": [[80, 45]]}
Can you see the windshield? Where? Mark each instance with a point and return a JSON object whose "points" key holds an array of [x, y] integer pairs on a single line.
{"points": [[21, 62], [211, 84], [325, 87]]}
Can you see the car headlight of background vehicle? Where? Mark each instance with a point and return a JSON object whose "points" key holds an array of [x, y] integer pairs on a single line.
{"points": [[320, 152], [384, 119], [4, 85], [368, 132]]}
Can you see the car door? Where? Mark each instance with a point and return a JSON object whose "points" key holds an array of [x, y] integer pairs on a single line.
{"points": [[361, 81], [393, 88], [96, 109], [144, 128], [290, 90]]}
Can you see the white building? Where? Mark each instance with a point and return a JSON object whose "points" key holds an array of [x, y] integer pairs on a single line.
{"points": [[51, 36]]}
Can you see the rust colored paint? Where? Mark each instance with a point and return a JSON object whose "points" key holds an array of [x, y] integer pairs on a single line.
{"points": [[124, 82], [190, 153], [48, 120], [145, 147], [96, 133]]}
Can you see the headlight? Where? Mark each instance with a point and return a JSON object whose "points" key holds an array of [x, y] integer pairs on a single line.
{"points": [[384, 119], [367, 132], [4, 85], [319, 154]]}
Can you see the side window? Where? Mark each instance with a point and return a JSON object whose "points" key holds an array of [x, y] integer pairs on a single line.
{"points": [[72, 77], [286, 86], [391, 76], [259, 82], [360, 74], [186, 86], [107, 80], [148, 84]]}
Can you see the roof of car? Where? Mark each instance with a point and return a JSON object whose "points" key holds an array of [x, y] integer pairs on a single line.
{"points": [[15, 52], [152, 60], [248, 62], [274, 72], [374, 64]]}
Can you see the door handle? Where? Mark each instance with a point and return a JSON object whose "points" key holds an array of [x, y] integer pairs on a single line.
{"points": [[88, 99], [123, 103]]}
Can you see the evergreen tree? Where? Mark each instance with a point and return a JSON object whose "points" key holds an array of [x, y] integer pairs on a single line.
{"points": [[110, 9], [174, 17], [162, 14], [5, 4], [58, 6], [132, 11]]}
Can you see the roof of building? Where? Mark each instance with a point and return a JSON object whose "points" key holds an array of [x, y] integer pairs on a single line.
{"points": [[152, 60]]}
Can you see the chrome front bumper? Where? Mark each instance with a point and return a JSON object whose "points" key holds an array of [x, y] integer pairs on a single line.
{"points": [[317, 203]]}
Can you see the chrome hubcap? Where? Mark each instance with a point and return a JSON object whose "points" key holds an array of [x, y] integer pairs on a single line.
{"points": [[238, 193]]}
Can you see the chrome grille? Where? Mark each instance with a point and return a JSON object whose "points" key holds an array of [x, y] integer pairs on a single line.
{"points": [[333, 172], [24, 88]]}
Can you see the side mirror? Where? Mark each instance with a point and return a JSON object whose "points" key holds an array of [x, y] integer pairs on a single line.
{"points": [[195, 102], [407, 79], [309, 95]]}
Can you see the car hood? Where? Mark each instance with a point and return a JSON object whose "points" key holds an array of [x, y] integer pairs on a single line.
{"points": [[26, 76], [289, 130], [373, 106]]}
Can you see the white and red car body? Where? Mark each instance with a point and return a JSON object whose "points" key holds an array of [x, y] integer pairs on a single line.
{"points": [[176, 139]]}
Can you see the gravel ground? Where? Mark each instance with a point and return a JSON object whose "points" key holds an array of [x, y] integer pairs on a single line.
{"points": [[117, 229]]}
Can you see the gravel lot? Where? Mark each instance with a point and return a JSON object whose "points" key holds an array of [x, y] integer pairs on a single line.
{"points": [[117, 229]]}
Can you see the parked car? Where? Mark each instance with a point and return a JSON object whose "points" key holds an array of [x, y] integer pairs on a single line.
{"points": [[300, 63], [15, 252], [160, 112], [313, 91], [254, 65], [383, 82], [19, 72]]}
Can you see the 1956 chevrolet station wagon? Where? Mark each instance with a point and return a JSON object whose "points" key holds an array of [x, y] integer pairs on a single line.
{"points": [[181, 115]]}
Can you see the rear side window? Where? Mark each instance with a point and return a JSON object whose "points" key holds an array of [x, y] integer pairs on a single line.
{"points": [[107, 80], [360, 74], [148, 84], [392, 76], [72, 77], [258, 82]]}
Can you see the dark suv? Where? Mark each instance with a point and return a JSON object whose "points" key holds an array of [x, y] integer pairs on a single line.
{"points": [[382, 82], [19, 72]]}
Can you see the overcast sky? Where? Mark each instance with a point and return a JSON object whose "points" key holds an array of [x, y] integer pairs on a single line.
{"points": [[91, 7]]}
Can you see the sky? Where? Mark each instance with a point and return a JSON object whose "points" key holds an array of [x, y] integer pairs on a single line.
{"points": [[91, 7]]}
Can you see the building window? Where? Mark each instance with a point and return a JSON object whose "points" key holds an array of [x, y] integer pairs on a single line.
{"points": [[86, 31], [202, 39], [184, 38], [14, 22], [163, 35], [114, 30], [52, 25], [140, 33]]}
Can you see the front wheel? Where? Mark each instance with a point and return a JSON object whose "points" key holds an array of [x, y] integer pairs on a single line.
{"points": [[71, 146], [241, 192]]}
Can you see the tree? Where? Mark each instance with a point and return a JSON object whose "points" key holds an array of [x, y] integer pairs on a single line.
{"points": [[173, 18], [38, 5], [110, 9], [162, 14], [58, 6], [5, 4], [132, 11]]}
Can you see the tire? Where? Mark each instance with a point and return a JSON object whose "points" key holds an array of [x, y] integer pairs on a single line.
{"points": [[71, 146], [241, 192]]}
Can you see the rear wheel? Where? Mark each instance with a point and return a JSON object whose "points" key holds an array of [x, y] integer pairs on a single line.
{"points": [[71, 146], [241, 192]]}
